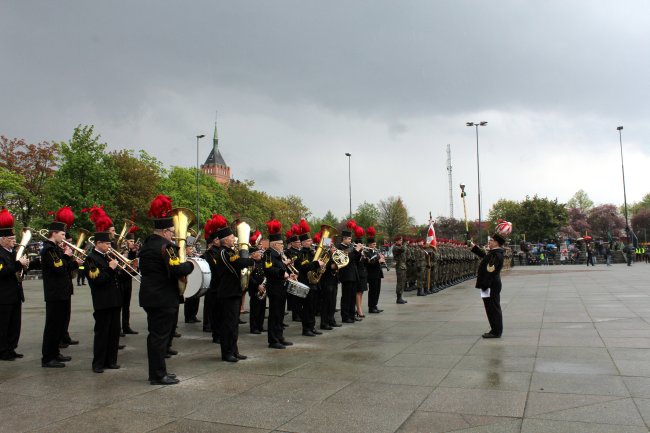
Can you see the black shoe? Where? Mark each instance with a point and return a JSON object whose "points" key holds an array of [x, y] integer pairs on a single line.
{"points": [[326, 327], [490, 335], [9, 357], [207, 330], [315, 331], [122, 334], [98, 370], [348, 321], [113, 366], [295, 318], [286, 343], [83, 284], [121, 346], [216, 340], [177, 335], [167, 356], [72, 342], [63, 358], [167, 380], [172, 375], [240, 356], [229, 358], [277, 346], [308, 333], [242, 322], [335, 325], [172, 352], [284, 325], [373, 311], [16, 355], [63, 345], [52, 364], [400, 301], [256, 331], [130, 331]]}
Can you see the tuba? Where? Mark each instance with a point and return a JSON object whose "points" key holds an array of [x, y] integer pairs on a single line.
{"points": [[125, 230], [322, 253], [183, 218], [243, 230], [20, 251]]}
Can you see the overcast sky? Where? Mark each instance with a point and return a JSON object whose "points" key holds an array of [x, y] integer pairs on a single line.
{"points": [[299, 83]]}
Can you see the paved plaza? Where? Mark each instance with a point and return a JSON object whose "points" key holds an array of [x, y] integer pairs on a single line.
{"points": [[574, 357]]}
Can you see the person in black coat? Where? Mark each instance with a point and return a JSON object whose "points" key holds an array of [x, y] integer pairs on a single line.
{"points": [[349, 276], [211, 305], [57, 265], [159, 296], [304, 265], [229, 266], [375, 274], [11, 290], [126, 282], [489, 278], [106, 292], [257, 292]]}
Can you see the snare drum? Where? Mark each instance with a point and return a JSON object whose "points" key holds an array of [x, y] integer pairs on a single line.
{"points": [[297, 288], [198, 282]]}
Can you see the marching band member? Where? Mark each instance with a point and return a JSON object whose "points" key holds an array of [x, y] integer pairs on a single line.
{"points": [[211, 306], [229, 266], [67, 341], [256, 286], [304, 264], [348, 275], [159, 296], [127, 281], [101, 271], [328, 288], [11, 289], [191, 306], [375, 273], [276, 272], [57, 265], [291, 252], [362, 272]]}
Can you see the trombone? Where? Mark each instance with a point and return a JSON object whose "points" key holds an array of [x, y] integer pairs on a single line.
{"points": [[80, 254], [122, 262]]}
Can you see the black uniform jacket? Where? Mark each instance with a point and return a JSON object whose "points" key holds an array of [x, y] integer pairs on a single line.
{"points": [[362, 271], [274, 270], [257, 278], [349, 273], [305, 263], [57, 268], [374, 268], [210, 256], [229, 266], [103, 281], [489, 270], [160, 269], [11, 290]]}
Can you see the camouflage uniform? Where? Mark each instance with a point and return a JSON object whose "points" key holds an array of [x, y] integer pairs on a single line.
{"points": [[421, 267], [411, 268], [400, 256]]}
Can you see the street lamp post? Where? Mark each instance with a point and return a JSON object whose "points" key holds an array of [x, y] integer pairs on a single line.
{"points": [[620, 140], [349, 155], [198, 218], [478, 171]]}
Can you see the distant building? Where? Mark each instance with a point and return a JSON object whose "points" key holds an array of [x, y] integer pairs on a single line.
{"points": [[214, 165]]}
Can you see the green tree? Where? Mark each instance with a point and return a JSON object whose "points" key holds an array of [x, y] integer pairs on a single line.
{"points": [[288, 210], [180, 184], [605, 220], [580, 200], [367, 214], [250, 203], [86, 175], [449, 228], [11, 188], [540, 218], [393, 216], [638, 206]]}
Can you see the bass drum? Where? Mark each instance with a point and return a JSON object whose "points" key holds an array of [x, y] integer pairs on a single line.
{"points": [[198, 282]]}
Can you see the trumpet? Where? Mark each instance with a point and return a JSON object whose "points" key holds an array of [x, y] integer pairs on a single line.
{"points": [[80, 254], [122, 262], [290, 265]]}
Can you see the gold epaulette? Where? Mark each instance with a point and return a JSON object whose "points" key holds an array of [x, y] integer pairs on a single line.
{"points": [[304, 262], [93, 273], [58, 263], [2, 265], [174, 261], [234, 258]]}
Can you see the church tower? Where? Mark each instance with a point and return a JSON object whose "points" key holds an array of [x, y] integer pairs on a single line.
{"points": [[215, 166]]}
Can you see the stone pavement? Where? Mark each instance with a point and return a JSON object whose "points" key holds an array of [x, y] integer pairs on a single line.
{"points": [[575, 357]]}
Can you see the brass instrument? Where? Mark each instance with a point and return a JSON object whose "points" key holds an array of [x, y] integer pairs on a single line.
{"points": [[81, 254], [121, 239], [24, 240], [328, 232], [290, 265], [122, 262], [243, 230], [183, 218], [262, 296], [83, 234]]}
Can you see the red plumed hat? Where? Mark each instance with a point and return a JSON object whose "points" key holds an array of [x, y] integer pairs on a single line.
{"points": [[288, 234], [103, 223], [358, 232], [304, 230], [65, 216], [95, 212], [317, 237], [160, 207], [134, 229], [370, 234], [6, 223], [255, 238], [351, 224], [274, 227]]}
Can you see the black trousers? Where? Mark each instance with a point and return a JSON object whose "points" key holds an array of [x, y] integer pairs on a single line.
{"points": [[68, 312], [277, 300], [208, 302], [256, 316], [327, 303], [493, 310], [10, 320], [191, 308], [107, 337], [308, 309], [216, 316], [374, 288], [127, 291], [294, 305], [348, 299], [81, 277], [171, 335], [160, 322], [55, 312], [229, 330]]}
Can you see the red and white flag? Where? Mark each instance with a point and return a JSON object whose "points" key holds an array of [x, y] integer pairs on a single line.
{"points": [[431, 235]]}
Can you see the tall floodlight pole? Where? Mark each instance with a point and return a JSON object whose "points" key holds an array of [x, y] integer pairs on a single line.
{"points": [[349, 155], [478, 171], [620, 140]]}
